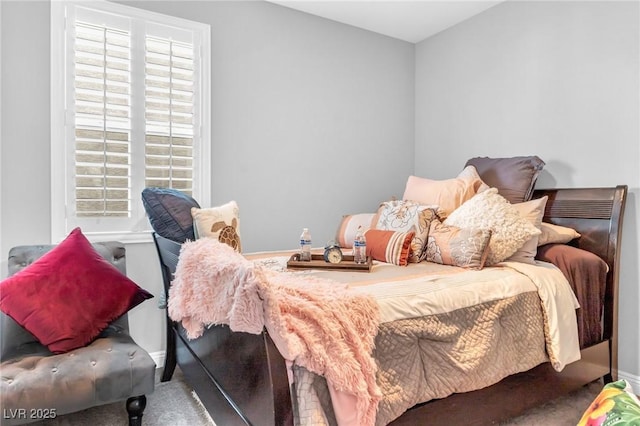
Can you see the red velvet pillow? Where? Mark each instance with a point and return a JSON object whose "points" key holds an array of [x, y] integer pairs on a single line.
{"points": [[389, 246], [69, 295]]}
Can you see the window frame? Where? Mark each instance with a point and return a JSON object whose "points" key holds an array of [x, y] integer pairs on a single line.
{"points": [[136, 228], [1, 167]]}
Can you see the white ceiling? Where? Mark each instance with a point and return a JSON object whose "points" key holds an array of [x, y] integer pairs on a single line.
{"points": [[412, 21]]}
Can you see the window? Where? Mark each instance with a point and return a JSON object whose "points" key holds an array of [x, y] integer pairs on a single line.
{"points": [[132, 112]]}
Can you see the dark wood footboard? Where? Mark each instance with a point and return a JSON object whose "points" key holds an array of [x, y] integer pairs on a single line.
{"points": [[242, 380]]}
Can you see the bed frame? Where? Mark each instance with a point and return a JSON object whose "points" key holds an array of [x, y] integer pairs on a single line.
{"points": [[242, 380]]}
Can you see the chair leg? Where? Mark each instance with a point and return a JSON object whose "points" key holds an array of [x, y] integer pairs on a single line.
{"points": [[135, 408], [170, 355]]}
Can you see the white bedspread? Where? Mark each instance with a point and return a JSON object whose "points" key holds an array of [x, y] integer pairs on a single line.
{"points": [[424, 289]]}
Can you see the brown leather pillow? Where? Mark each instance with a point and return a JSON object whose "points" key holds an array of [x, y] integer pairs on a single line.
{"points": [[515, 177]]}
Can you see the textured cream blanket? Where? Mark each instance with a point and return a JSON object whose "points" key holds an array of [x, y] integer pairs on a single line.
{"points": [[430, 357], [445, 330], [425, 288], [316, 323]]}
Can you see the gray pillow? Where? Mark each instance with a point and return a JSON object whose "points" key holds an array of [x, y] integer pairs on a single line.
{"points": [[514, 177]]}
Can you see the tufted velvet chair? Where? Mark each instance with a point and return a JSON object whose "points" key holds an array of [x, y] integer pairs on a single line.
{"points": [[36, 383]]}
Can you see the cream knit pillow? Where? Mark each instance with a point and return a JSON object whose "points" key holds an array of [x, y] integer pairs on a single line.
{"points": [[489, 210]]}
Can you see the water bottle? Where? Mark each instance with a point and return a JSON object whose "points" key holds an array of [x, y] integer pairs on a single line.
{"points": [[360, 247], [305, 245]]}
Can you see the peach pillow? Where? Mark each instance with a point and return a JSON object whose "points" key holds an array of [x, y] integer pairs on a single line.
{"points": [[470, 172], [448, 194]]}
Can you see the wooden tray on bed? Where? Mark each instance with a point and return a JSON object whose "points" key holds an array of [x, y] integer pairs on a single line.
{"points": [[317, 262]]}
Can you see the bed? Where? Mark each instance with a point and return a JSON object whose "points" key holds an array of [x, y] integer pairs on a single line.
{"points": [[242, 378]]}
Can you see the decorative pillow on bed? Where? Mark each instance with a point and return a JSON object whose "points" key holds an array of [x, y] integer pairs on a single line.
{"points": [[389, 246], [447, 194], [515, 177], [450, 245], [532, 211], [556, 234], [405, 216], [169, 212], [349, 225], [489, 210], [221, 223], [69, 295], [615, 404], [471, 173]]}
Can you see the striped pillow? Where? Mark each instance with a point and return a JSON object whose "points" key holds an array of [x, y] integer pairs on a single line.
{"points": [[350, 224], [389, 246]]}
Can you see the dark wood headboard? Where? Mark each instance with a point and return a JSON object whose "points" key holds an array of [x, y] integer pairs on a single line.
{"points": [[597, 214]]}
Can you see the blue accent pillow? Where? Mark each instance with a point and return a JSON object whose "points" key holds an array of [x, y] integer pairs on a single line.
{"points": [[169, 212]]}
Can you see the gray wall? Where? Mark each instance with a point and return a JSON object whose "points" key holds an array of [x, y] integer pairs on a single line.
{"points": [[556, 79], [298, 102]]}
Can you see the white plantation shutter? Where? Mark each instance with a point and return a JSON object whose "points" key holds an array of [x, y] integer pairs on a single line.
{"points": [[102, 63], [169, 100], [135, 91]]}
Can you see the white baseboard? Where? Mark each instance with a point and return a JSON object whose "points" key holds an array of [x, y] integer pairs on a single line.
{"points": [[634, 381], [158, 358]]}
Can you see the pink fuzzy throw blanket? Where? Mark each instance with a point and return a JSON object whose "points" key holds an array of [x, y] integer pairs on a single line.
{"points": [[318, 324]]}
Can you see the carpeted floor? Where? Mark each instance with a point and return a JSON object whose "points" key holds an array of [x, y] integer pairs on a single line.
{"points": [[171, 404], [564, 411], [174, 404]]}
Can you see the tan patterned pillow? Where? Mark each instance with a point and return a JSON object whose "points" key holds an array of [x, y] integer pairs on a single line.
{"points": [[489, 210], [406, 216], [221, 222], [450, 245]]}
